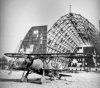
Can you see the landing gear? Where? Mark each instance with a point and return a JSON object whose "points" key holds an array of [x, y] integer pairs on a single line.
{"points": [[24, 78], [43, 79]]}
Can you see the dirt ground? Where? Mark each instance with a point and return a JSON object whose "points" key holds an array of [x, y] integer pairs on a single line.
{"points": [[73, 80]]}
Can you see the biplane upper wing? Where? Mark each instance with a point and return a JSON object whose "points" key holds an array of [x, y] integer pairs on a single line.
{"points": [[66, 55]]}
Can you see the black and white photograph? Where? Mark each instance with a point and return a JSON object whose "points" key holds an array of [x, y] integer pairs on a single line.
{"points": [[49, 43]]}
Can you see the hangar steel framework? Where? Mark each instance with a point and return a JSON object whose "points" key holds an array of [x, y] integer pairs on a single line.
{"points": [[69, 32]]}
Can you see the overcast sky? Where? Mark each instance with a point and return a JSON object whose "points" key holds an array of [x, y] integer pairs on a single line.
{"points": [[18, 16]]}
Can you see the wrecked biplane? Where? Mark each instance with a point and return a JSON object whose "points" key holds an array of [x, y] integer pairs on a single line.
{"points": [[50, 65]]}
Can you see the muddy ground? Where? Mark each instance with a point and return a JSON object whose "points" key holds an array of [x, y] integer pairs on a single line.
{"points": [[80, 79]]}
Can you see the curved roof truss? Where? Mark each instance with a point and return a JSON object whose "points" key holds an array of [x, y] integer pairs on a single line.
{"points": [[69, 32]]}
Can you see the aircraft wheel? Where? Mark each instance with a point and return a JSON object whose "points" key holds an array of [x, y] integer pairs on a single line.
{"points": [[43, 80], [24, 79]]}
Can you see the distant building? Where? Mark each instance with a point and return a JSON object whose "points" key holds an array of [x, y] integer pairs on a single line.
{"points": [[35, 40]]}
